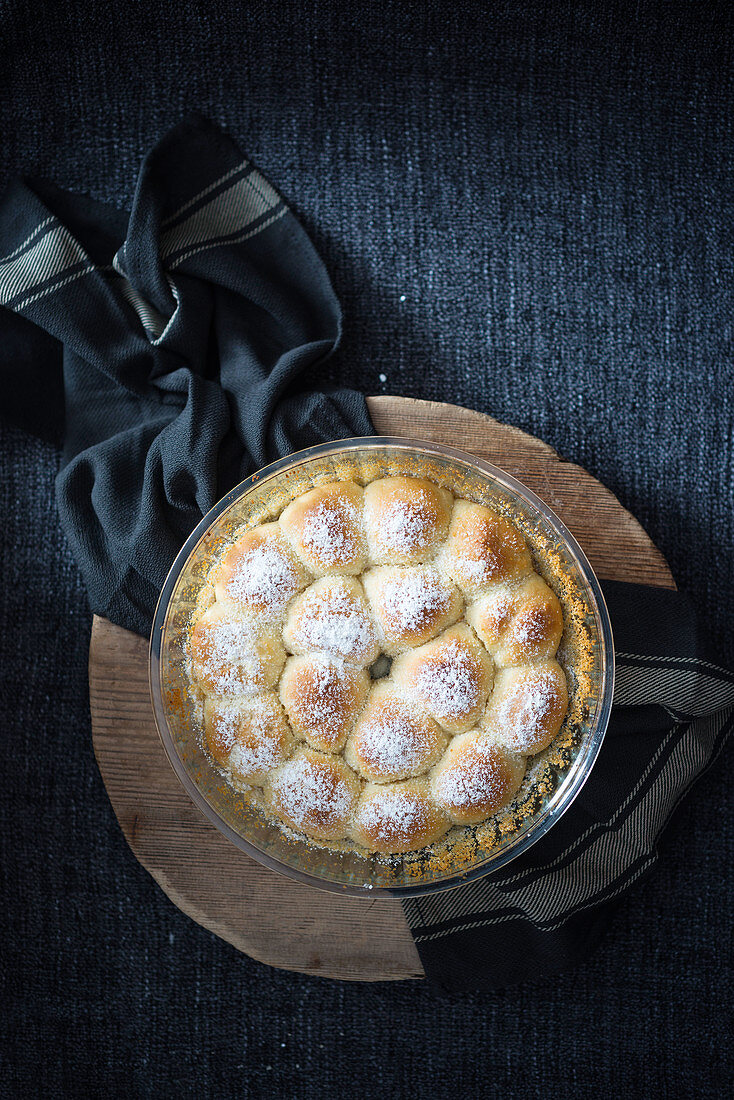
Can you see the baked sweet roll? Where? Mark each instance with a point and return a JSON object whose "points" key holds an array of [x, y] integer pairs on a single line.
{"points": [[250, 736], [393, 738], [332, 617], [528, 706], [325, 528], [398, 817], [260, 572], [411, 605], [520, 624], [406, 519], [231, 657], [322, 699], [445, 594], [476, 777], [450, 677], [483, 548], [314, 793]]}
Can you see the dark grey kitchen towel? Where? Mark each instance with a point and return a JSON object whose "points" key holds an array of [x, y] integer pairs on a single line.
{"points": [[164, 351], [545, 911]]}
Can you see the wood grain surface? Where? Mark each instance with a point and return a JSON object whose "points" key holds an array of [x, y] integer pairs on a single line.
{"points": [[259, 911]]}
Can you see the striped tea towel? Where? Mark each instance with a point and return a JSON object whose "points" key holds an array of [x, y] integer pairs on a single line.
{"points": [[163, 349], [546, 910]]}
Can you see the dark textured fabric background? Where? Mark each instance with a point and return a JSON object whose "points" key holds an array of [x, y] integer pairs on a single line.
{"points": [[526, 209]]}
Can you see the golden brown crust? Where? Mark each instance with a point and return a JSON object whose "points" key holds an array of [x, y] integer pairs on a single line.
{"points": [[322, 699], [476, 778], [406, 519], [324, 527], [527, 706], [400, 817], [483, 548], [393, 739]]}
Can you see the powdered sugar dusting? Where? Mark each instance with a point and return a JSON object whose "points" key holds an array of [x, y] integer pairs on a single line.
{"points": [[478, 570], [256, 756], [324, 701], [332, 620], [396, 816], [256, 734], [450, 681], [414, 598], [225, 723], [495, 616], [474, 778], [531, 627], [264, 579], [484, 548], [330, 531]]}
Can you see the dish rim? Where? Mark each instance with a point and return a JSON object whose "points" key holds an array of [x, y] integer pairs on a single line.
{"points": [[578, 772]]}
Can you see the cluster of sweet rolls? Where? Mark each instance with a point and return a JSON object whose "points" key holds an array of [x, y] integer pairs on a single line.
{"points": [[348, 577]]}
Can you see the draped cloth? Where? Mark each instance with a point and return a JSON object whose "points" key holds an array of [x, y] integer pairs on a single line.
{"points": [[164, 350]]}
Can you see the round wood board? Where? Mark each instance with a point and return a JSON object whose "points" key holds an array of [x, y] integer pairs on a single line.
{"points": [[259, 911]]}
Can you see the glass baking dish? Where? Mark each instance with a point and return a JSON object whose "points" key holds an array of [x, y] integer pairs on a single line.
{"points": [[554, 777]]}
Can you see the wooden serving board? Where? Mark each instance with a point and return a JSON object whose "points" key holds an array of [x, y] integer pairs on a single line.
{"points": [[259, 911]]}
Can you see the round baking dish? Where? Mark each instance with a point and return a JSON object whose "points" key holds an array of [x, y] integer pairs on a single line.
{"points": [[554, 777]]}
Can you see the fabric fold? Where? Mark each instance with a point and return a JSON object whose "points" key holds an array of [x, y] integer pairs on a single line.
{"points": [[546, 910], [164, 350]]}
